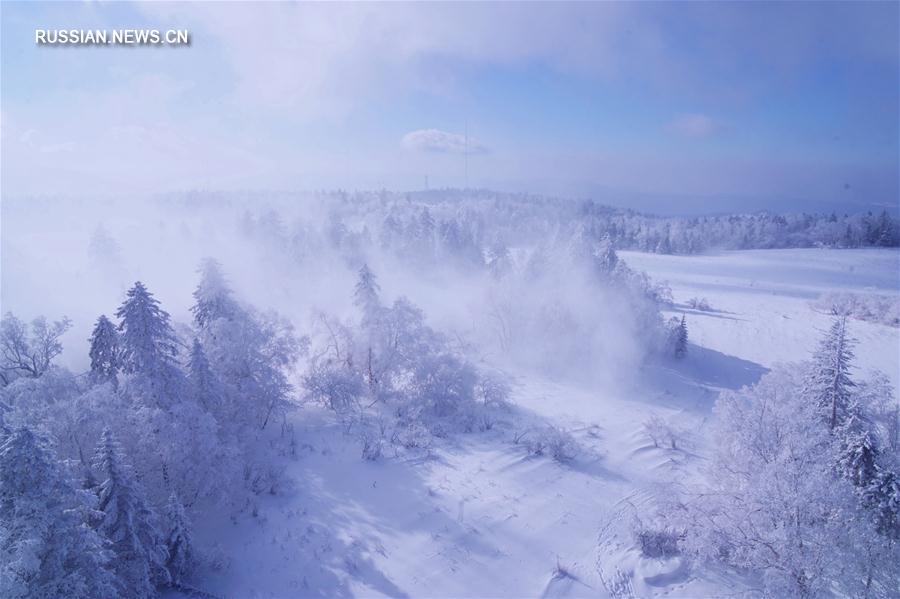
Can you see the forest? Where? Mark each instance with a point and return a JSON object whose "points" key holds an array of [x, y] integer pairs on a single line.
{"points": [[406, 321]]}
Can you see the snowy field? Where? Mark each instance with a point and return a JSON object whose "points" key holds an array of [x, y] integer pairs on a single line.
{"points": [[480, 517], [761, 300]]}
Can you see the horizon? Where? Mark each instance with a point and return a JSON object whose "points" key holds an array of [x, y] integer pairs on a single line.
{"points": [[643, 205]]}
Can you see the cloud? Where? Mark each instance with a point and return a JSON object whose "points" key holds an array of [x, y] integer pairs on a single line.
{"points": [[435, 140], [310, 60], [694, 125], [313, 60]]}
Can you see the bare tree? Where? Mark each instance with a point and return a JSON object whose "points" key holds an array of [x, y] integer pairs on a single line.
{"points": [[29, 353]]}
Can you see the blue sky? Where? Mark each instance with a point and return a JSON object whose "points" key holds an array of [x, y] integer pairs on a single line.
{"points": [[661, 106]]}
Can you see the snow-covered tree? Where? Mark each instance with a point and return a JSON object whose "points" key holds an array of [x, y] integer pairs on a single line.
{"points": [[858, 454], [104, 352], [605, 255], [774, 503], [203, 380], [366, 298], [681, 339], [871, 471], [149, 346], [499, 261], [443, 390], [247, 352], [882, 496], [47, 549], [213, 297], [829, 385], [676, 340], [25, 352], [335, 384], [862, 421], [365, 293], [148, 342], [250, 353], [128, 520], [881, 410], [196, 458], [179, 541]]}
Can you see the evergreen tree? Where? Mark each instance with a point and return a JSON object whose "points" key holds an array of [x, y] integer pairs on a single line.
{"points": [[47, 550], [882, 495], [148, 342], [148, 346], [128, 521], [885, 230], [857, 454], [104, 351], [829, 384], [179, 541], [681, 339], [606, 256], [365, 294], [213, 297], [862, 463], [201, 377]]}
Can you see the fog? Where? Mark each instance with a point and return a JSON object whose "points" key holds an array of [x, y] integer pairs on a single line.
{"points": [[299, 254]]}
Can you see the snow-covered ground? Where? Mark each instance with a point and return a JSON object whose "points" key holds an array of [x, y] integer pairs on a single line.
{"points": [[479, 517], [761, 300]]}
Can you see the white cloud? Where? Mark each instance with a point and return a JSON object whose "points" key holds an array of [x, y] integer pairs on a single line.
{"points": [[435, 140], [694, 125]]}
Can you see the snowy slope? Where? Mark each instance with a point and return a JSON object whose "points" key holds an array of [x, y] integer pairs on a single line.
{"points": [[481, 518], [761, 300]]}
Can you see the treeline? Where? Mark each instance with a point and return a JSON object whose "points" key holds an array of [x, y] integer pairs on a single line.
{"points": [[745, 231], [462, 226]]}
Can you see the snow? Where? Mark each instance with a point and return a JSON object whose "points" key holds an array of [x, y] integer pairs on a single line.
{"points": [[760, 300], [478, 517]]}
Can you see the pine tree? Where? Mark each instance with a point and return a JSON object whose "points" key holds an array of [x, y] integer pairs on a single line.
{"points": [[829, 384], [128, 521], [365, 294], [681, 339], [148, 346], [213, 297], [148, 341], [179, 541], [885, 230], [862, 463], [201, 377], [858, 454], [882, 495], [605, 255], [104, 351], [47, 550]]}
